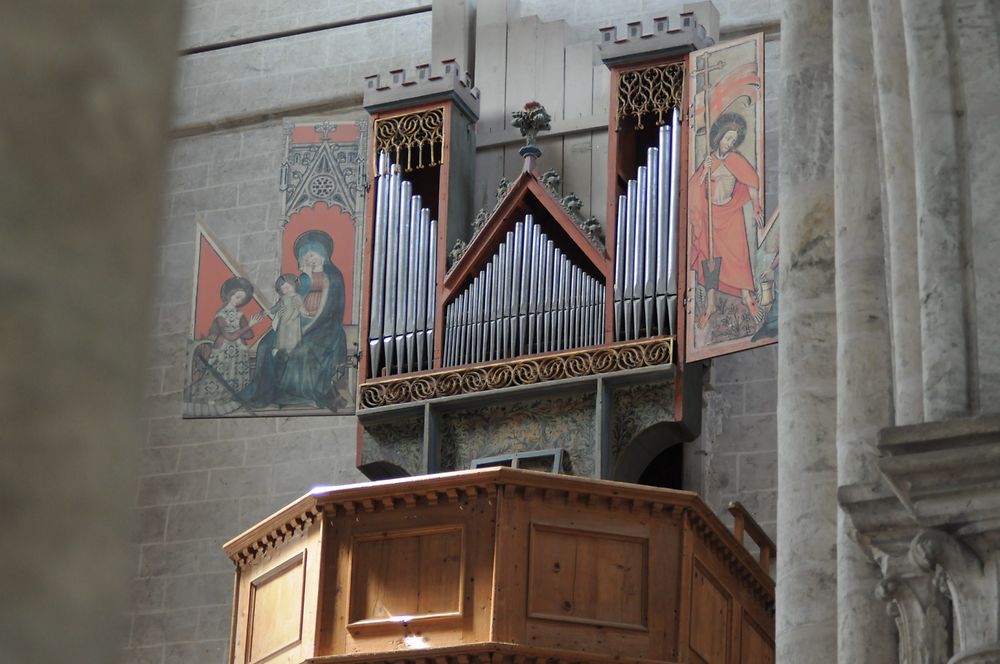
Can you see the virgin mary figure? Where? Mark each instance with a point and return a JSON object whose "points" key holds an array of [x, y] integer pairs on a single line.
{"points": [[304, 375]]}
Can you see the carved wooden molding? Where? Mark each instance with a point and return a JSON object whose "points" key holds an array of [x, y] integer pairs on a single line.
{"points": [[478, 378], [265, 543], [741, 564], [481, 653]]}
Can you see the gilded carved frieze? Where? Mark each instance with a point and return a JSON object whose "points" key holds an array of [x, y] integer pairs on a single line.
{"points": [[650, 352]]}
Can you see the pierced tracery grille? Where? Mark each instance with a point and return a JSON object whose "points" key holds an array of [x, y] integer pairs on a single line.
{"points": [[654, 90], [413, 140]]}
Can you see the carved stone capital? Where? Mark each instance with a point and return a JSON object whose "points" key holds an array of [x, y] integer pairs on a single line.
{"points": [[922, 617], [972, 586], [986, 655]]}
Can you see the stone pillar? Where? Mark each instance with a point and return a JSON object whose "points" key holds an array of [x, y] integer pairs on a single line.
{"points": [[864, 371], [82, 135], [806, 621], [941, 211], [899, 207], [975, 40]]}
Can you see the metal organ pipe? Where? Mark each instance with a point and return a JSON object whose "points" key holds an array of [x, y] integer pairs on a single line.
{"points": [[674, 218], [652, 231], [629, 235], [638, 250], [404, 277], [537, 268], [620, 264], [663, 257], [528, 298], [402, 270], [645, 286], [378, 271]]}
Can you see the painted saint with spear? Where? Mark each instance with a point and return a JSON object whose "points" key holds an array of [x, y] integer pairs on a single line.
{"points": [[718, 190]]}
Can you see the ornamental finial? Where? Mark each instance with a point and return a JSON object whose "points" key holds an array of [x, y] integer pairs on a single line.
{"points": [[533, 119]]}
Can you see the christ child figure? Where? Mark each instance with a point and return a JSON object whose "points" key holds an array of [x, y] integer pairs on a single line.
{"points": [[287, 321]]}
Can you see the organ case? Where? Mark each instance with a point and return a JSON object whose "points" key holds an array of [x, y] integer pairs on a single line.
{"points": [[421, 123]]}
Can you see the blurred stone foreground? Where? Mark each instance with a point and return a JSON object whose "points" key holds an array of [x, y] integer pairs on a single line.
{"points": [[86, 86]]}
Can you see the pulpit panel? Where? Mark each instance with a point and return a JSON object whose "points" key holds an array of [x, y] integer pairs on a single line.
{"points": [[399, 578], [276, 600], [755, 644], [711, 616], [408, 574], [582, 576], [276, 596]]}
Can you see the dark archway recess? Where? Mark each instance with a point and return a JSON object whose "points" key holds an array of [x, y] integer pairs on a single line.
{"points": [[654, 457], [666, 470], [382, 470]]}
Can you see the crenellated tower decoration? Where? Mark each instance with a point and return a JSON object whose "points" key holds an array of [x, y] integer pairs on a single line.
{"points": [[422, 144]]}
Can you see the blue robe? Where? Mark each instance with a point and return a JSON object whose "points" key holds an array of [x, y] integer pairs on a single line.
{"points": [[304, 375]]}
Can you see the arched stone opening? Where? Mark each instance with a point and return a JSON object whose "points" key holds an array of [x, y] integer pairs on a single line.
{"points": [[654, 457], [382, 470]]}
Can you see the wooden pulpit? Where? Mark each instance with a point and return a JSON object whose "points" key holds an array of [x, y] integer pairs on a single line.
{"points": [[499, 565]]}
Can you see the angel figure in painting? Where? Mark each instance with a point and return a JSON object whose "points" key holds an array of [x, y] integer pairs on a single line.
{"points": [[720, 251], [222, 360]]}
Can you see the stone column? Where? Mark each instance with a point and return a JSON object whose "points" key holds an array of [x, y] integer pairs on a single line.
{"points": [[975, 40], [941, 211], [82, 135], [899, 212], [864, 371], [806, 620]]}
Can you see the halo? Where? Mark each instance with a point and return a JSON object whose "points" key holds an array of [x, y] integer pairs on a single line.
{"points": [[320, 238]]}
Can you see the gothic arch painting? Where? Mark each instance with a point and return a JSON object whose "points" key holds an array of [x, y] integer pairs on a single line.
{"points": [[286, 341]]}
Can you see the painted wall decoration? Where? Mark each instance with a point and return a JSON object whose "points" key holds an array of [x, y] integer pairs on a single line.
{"points": [[539, 424], [732, 250], [288, 345]]}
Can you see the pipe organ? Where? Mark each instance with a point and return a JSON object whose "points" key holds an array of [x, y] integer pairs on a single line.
{"points": [[529, 298], [528, 291], [531, 277], [404, 288], [645, 287]]}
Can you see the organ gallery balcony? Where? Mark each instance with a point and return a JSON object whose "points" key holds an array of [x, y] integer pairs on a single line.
{"points": [[500, 565]]}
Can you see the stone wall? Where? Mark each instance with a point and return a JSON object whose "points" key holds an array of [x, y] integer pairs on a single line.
{"points": [[737, 446], [203, 481]]}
